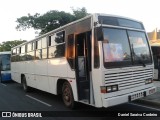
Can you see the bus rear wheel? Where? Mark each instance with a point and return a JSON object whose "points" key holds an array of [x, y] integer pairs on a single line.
{"points": [[67, 95], [24, 84]]}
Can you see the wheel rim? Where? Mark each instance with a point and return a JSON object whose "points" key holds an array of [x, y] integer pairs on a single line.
{"points": [[67, 95]]}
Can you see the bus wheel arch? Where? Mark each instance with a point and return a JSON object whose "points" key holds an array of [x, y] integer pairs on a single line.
{"points": [[60, 83], [22, 75]]}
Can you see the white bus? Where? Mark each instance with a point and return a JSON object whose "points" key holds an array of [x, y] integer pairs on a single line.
{"points": [[100, 60]]}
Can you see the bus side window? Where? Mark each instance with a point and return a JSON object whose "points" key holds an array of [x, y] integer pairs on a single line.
{"points": [[44, 48], [71, 51], [38, 50]]}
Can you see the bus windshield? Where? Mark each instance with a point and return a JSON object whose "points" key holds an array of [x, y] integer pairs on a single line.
{"points": [[5, 62], [125, 48], [139, 47]]}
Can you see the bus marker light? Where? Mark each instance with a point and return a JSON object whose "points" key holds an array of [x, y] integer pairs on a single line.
{"points": [[147, 81], [109, 89]]}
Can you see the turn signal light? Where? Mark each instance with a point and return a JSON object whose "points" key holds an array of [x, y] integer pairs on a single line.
{"points": [[108, 89], [148, 81]]}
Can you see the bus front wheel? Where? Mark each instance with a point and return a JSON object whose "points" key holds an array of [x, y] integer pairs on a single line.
{"points": [[67, 95]]}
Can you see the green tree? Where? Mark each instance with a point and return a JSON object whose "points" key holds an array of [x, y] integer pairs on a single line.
{"points": [[50, 20], [6, 46], [80, 12]]}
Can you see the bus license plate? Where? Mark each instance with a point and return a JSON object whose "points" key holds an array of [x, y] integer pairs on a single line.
{"points": [[136, 96]]}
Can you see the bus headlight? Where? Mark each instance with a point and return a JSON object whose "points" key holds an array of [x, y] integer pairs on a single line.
{"points": [[148, 81], [108, 89], [115, 88]]}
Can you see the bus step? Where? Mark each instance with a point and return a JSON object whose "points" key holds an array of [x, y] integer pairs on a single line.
{"points": [[84, 101], [86, 93]]}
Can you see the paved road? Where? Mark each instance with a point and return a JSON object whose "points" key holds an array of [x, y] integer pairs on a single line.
{"points": [[13, 98]]}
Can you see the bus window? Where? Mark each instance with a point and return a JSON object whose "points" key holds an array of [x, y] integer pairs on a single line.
{"points": [[116, 48], [56, 45], [139, 47], [71, 51]]}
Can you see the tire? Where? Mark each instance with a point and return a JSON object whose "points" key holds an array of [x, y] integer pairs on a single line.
{"points": [[67, 95], [24, 84]]}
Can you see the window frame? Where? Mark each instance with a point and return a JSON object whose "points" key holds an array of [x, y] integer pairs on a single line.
{"points": [[50, 45], [109, 65]]}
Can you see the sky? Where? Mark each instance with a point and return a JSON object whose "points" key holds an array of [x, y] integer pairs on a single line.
{"points": [[146, 11]]}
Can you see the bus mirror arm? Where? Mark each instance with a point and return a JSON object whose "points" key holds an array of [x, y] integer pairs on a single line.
{"points": [[99, 33]]}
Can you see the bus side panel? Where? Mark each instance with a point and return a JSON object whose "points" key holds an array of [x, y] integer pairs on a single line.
{"points": [[71, 73], [73, 83], [30, 74], [57, 67], [41, 67], [96, 85], [30, 67], [21, 67], [42, 83], [52, 85], [31, 80], [15, 75], [60, 67], [41, 75]]}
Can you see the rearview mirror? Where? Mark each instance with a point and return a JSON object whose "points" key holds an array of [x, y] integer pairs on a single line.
{"points": [[99, 33]]}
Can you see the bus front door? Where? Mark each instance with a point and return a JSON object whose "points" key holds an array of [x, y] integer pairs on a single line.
{"points": [[83, 65]]}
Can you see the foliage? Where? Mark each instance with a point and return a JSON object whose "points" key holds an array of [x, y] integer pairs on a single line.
{"points": [[80, 12], [50, 20], [6, 46]]}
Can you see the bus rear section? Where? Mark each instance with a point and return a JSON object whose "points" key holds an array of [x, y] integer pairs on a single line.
{"points": [[126, 64], [5, 73]]}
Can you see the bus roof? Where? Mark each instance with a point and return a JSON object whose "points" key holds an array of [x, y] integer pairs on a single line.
{"points": [[95, 15], [102, 14]]}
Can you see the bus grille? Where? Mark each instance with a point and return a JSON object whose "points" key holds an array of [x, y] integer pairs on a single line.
{"points": [[128, 78]]}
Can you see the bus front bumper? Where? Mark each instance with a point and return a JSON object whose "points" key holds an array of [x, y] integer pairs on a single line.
{"points": [[116, 100]]}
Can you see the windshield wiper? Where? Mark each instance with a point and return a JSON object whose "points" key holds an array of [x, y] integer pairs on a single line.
{"points": [[139, 59], [142, 62]]}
